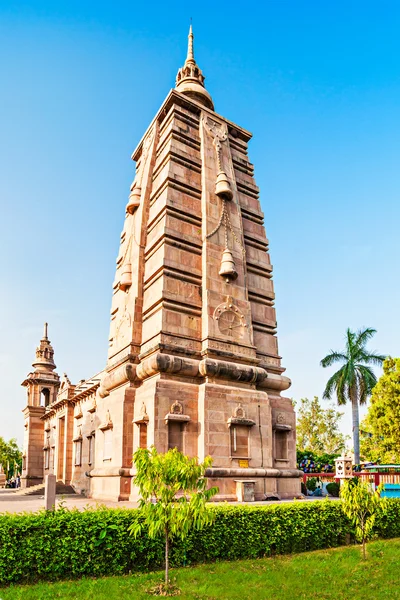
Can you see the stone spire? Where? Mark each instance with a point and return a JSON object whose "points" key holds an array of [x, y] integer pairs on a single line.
{"points": [[44, 354], [190, 53], [190, 79]]}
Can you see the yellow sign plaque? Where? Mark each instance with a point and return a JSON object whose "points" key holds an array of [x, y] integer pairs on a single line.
{"points": [[244, 464]]}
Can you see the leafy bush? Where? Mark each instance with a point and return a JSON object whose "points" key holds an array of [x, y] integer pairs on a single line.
{"points": [[311, 483], [70, 544], [354, 481], [333, 489], [317, 458]]}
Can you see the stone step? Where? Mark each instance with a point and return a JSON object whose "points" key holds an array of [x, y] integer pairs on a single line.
{"points": [[38, 490], [62, 489], [31, 491]]}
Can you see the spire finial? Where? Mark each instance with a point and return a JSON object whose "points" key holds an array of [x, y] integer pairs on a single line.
{"points": [[190, 53], [44, 354], [190, 79]]}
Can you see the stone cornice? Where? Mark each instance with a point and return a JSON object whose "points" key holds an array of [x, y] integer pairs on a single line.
{"points": [[38, 379], [179, 98], [213, 472], [240, 421], [35, 411], [54, 408], [190, 367], [216, 472]]}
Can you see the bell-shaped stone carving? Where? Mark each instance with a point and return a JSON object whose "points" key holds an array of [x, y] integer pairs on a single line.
{"points": [[222, 186], [134, 200], [228, 269], [126, 277]]}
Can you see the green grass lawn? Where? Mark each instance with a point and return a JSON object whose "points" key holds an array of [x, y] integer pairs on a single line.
{"points": [[330, 574]]}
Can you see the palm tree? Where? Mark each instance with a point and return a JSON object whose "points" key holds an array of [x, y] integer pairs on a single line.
{"points": [[354, 381]]}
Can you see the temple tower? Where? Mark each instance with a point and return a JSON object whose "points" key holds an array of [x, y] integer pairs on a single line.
{"points": [[193, 358], [41, 388]]}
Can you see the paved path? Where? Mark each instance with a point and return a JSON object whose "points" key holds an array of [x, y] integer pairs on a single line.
{"points": [[11, 503]]}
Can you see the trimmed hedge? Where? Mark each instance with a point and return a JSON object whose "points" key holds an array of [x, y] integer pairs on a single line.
{"points": [[333, 489], [67, 544]]}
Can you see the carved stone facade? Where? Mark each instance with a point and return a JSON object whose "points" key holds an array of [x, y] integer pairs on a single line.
{"points": [[193, 359]]}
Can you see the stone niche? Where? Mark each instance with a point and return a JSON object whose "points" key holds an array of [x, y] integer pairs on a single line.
{"points": [[176, 423], [239, 427]]}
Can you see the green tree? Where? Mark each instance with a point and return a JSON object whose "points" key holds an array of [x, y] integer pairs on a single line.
{"points": [[10, 455], [370, 451], [360, 505], [380, 430], [173, 491], [354, 381], [317, 429]]}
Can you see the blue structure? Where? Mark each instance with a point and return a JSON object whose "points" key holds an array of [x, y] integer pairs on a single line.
{"points": [[389, 476], [391, 490]]}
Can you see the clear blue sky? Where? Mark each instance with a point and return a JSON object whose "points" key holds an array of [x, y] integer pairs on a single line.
{"points": [[318, 83]]}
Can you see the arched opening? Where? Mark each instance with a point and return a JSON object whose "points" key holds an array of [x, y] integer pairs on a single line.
{"points": [[45, 397]]}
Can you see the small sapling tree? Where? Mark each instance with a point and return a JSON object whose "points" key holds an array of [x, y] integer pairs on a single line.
{"points": [[360, 505], [173, 491]]}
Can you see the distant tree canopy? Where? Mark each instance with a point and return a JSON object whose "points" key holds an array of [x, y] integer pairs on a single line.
{"points": [[380, 430], [9, 455], [318, 428]]}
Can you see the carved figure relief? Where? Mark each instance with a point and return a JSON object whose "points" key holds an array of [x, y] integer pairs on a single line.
{"points": [[176, 408], [281, 418], [218, 131], [239, 412]]}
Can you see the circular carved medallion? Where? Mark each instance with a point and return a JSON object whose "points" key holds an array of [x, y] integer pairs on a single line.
{"points": [[230, 323]]}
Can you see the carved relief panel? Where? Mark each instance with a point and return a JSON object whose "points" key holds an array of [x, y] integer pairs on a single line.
{"points": [[126, 284], [226, 310]]}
